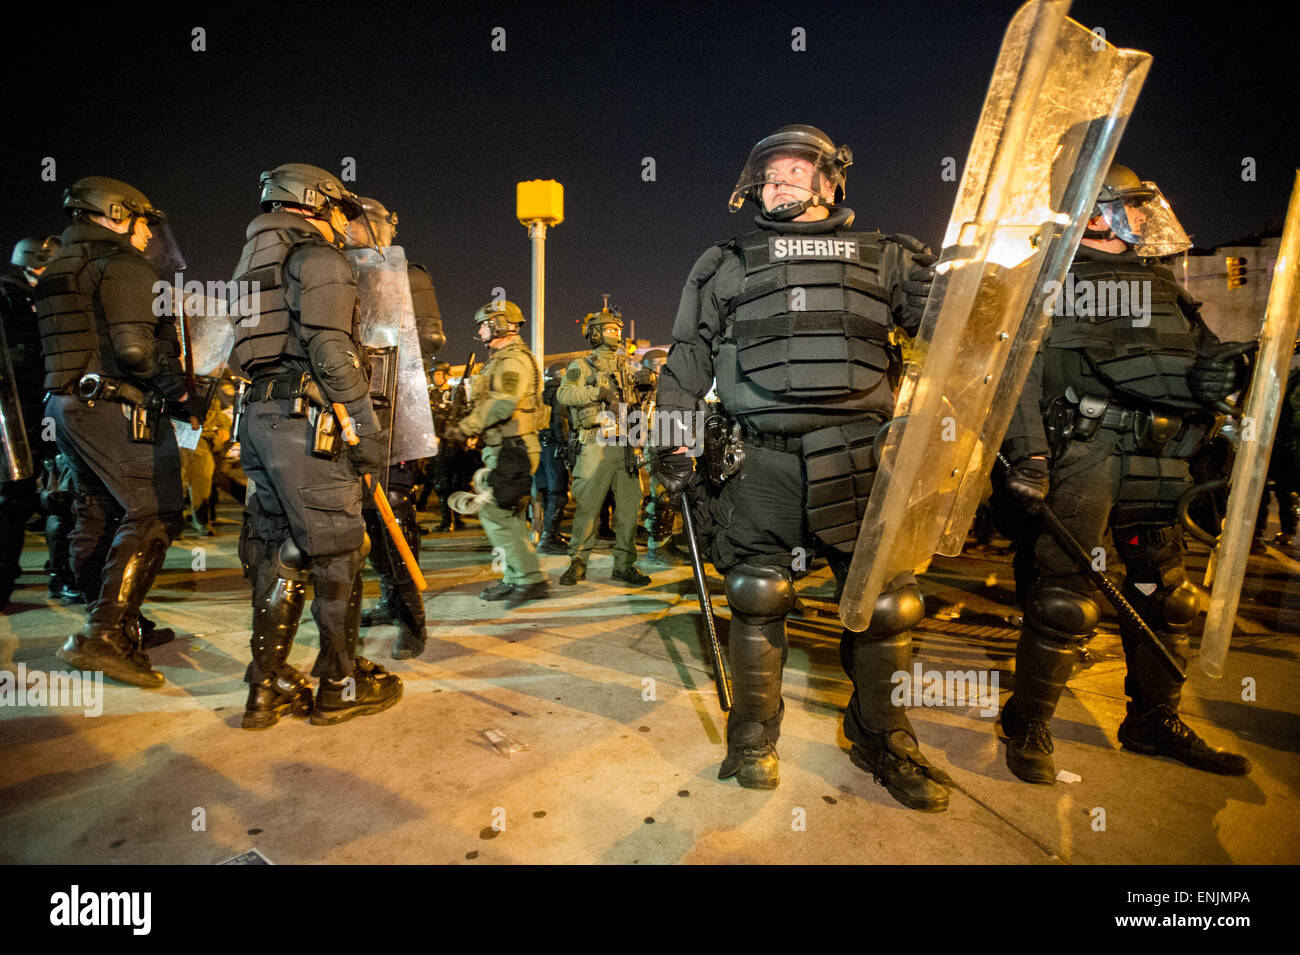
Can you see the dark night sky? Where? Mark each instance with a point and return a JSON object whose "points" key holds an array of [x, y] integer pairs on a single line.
{"points": [[441, 127]]}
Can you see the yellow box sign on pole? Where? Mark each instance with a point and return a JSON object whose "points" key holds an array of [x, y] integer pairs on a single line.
{"points": [[539, 200]]}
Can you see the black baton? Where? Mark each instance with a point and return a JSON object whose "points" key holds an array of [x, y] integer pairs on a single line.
{"points": [[1075, 550]]}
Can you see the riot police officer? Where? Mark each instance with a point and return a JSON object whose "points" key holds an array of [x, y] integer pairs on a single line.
{"points": [[297, 342], [21, 376], [794, 321], [508, 412], [112, 371], [597, 388], [1126, 396], [400, 600], [551, 483]]}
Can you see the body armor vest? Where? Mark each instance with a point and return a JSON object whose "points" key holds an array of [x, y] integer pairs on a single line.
{"points": [[587, 416], [264, 330], [1139, 359], [809, 329], [526, 418], [74, 332]]}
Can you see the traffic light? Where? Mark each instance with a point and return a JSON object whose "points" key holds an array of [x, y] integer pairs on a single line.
{"points": [[1236, 271]]}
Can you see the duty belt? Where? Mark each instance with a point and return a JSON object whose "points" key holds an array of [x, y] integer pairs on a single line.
{"points": [[280, 387], [1153, 429], [791, 444]]}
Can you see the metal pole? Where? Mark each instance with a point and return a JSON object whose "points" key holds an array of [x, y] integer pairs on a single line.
{"points": [[537, 232]]}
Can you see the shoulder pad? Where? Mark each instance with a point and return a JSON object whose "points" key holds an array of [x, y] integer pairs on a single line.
{"points": [[707, 265]]}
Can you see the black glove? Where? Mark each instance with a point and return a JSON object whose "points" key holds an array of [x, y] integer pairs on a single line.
{"points": [[369, 454], [919, 281], [609, 396], [1027, 483], [675, 471], [644, 378], [1218, 374]]}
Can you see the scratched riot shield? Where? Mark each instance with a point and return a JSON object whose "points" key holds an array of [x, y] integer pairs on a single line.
{"points": [[15, 451], [1056, 107], [1259, 418], [387, 322], [211, 333]]}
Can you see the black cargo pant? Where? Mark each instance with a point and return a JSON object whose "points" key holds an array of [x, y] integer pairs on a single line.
{"points": [[128, 497], [1103, 484], [760, 518], [316, 503]]}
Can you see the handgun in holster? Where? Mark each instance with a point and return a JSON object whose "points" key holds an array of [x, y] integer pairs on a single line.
{"points": [[325, 439]]}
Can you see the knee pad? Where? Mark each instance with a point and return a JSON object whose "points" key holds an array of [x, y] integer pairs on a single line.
{"points": [[1061, 614], [897, 611], [396, 499], [292, 563], [1176, 609], [759, 591]]}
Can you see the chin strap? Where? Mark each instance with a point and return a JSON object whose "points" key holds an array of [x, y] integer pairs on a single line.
{"points": [[792, 210]]}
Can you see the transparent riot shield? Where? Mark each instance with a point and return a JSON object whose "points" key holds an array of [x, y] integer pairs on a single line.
{"points": [[1259, 419], [211, 333], [1056, 106], [15, 451], [388, 319]]}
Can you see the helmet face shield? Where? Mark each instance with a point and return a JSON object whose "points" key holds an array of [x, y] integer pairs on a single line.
{"points": [[1143, 218], [162, 251], [794, 143]]}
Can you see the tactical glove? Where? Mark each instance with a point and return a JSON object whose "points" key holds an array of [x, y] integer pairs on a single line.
{"points": [[1027, 483], [644, 378], [609, 396], [1218, 374], [919, 281], [369, 454], [675, 471]]}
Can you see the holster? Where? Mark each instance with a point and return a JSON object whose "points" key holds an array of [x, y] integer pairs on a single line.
{"points": [[724, 451]]}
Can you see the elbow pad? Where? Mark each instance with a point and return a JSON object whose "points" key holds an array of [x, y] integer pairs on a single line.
{"points": [[338, 362]]}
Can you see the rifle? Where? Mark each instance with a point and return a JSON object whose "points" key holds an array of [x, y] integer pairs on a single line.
{"points": [[460, 399]]}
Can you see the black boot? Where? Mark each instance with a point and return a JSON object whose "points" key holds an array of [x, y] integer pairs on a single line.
{"points": [[884, 742], [1043, 665], [110, 642], [384, 612], [447, 519], [369, 690], [1160, 732], [1152, 726], [151, 635], [275, 687], [757, 651], [411, 620]]}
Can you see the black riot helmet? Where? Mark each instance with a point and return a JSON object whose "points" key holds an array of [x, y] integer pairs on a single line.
{"points": [[442, 366], [807, 142], [32, 254], [1137, 212], [120, 202], [555, 370], [317, 191]]}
